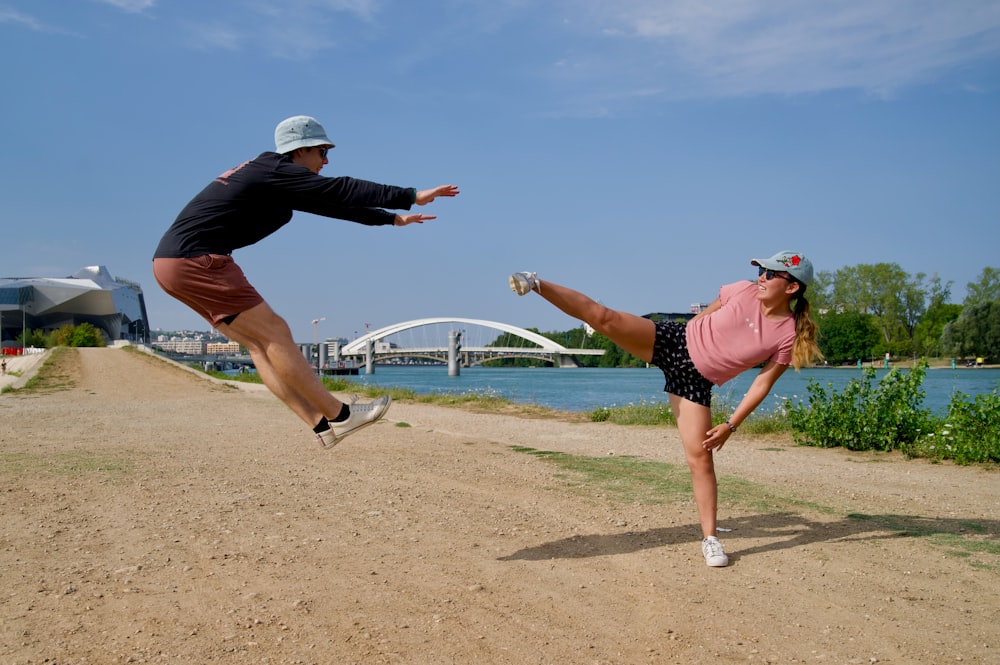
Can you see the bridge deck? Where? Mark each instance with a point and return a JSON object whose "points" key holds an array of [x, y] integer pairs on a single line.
{"points": [[511, 350]]}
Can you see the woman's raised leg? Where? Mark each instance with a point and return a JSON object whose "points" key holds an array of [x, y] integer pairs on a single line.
{"points": [[633, 333]]}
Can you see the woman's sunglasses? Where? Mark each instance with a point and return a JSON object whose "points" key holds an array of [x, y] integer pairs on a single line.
{"points": [[771, 274]]}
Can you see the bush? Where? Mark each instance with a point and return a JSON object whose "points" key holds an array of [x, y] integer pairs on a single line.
{"points": [[969, 435], [886, 416], [85, 334]]}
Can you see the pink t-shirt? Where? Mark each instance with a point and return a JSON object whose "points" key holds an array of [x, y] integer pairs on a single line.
{"points": [[738, 336]]}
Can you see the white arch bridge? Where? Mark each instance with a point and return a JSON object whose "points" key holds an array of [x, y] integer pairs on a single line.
{"points": [[445, 339]]}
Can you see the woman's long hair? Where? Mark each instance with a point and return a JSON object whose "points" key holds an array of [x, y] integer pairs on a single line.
{"points": [[805, 348]]}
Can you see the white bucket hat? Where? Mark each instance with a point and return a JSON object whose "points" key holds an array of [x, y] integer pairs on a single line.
{"points": [[299, 131]]}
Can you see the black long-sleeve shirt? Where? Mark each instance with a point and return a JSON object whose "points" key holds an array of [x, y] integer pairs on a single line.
{"points": [[258, 197]]}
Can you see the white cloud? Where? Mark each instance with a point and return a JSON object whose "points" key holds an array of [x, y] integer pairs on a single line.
{"points": [[307, 11], [790, 46], [365, 9], [214, 36], [292, 29], [14, 17], [131, 6], [8, 15]]}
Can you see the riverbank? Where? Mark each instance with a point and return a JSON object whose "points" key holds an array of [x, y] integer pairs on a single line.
{"points": [[154, 515], [934, 363]]}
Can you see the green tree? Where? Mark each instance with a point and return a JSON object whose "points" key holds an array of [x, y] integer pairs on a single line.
{"points": [[883, 290], [847, 337], [918, 300], [820, 292], [975, 333], [986, 289], [511, 340], [912, 313], [913, 303], [925, 332], [34, 338], [927, 337]]}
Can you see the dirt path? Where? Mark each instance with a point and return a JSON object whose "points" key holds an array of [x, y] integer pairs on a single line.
{"points": [[152, 516]]}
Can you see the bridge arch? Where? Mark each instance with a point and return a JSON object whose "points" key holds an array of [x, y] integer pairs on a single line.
{"points": [[359, 345]]}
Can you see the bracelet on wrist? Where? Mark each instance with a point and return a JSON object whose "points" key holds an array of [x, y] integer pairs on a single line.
{"points": [[731, 426]]}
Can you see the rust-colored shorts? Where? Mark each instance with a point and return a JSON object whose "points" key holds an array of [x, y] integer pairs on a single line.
{"points": [[212, 285]]}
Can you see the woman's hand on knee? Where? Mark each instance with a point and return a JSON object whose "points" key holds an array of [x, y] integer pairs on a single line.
{"points": [[717, 437]]}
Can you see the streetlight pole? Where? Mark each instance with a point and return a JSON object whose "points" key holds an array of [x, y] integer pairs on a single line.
{"points": [[316, 339]]}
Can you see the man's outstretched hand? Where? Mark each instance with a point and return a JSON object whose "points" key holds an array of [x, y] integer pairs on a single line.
{"points": [[427, 195], [403, 220], [423, 198]]}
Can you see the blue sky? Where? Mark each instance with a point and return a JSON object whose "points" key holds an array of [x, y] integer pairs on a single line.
{"points": [[642, 151]]}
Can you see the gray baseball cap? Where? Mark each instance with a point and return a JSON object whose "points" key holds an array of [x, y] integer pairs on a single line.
{"points": [[299, 131], [793, 263]]}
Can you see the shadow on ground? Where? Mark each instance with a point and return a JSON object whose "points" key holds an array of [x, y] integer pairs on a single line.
{"points": [[779, 531]]}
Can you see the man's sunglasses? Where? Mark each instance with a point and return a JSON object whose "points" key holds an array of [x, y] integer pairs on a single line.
{"points": [[322, 152], [771, 274]]}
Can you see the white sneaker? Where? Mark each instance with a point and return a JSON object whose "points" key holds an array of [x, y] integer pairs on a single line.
{"points": [[522, 282], [326, 439], [361, 416], [715, 556]]}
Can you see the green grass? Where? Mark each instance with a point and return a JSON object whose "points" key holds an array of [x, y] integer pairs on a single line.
{"points": [[652, 413], [631, 480], [623, 479], [641, 413], [74, 464], [962, 538], [58, 372], [628, 479]]}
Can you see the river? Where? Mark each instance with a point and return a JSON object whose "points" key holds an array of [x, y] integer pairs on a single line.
{"points": [[585, 389]]}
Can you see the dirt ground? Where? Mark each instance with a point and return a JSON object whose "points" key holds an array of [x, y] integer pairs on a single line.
{"points": [[153, 516]]}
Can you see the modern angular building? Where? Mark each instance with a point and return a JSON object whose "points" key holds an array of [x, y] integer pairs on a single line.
{"points": [[91, 295]]}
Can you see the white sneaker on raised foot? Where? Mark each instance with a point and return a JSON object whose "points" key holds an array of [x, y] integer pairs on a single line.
{"points": [[715, 556], [522, 282], [362, 415]]}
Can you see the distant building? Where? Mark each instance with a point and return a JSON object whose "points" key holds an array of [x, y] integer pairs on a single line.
{"points": [[91, 295], [223, 348], [192, 347], [670, 316]]}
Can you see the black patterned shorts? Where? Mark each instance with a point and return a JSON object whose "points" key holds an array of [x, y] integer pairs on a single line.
{"points": [[670, 354]]}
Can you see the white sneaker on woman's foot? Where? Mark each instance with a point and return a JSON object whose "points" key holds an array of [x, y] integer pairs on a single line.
{"points": [[715, 556], [522, 282]]}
